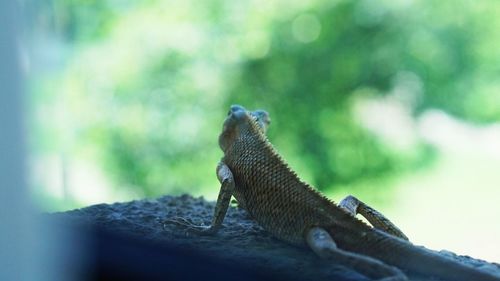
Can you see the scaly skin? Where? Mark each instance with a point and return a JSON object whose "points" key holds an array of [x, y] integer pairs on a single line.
{"points": [[253, 172]]}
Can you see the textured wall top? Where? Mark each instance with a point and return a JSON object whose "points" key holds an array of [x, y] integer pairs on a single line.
{"points": [[240, 242]]}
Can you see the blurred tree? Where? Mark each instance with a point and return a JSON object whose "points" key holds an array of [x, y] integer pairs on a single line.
{"points": [[424, 54], [146, 85]]}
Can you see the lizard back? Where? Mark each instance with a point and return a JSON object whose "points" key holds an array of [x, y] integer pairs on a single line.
{"points": [[273, 194]]}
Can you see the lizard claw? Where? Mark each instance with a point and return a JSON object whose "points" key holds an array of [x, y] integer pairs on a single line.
{"points": [[189, 226], [180, 221]]}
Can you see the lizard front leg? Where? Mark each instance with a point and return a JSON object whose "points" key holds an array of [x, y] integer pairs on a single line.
{"points": [[226, 191], [355, 206], [320, 241]]}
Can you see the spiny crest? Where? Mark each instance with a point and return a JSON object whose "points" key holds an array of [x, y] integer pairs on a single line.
{"points": [[255, 130], [274, 153]]}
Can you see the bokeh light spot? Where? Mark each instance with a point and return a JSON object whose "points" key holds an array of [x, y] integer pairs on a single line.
{"points": [[306, 28]]}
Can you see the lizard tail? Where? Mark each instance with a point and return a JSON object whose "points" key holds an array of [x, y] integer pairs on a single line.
{"points": [[418, 259]]}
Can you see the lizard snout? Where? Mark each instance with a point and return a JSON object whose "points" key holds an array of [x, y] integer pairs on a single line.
{"points": [[237, 112]]}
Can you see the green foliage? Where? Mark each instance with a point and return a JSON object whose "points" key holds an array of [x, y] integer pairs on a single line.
{"points": [[146, 86]]}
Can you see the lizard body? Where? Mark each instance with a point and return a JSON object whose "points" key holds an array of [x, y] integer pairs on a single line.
{"points": [[290, 209]]}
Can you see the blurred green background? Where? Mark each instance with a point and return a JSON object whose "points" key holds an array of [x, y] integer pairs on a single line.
{"points": [[395, 102]]}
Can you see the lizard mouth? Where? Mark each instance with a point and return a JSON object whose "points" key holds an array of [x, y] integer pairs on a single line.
{"points": [[237, 115], [237, 112]]}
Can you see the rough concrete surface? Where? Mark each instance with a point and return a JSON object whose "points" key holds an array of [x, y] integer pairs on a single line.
{"points": [[239, 241]]}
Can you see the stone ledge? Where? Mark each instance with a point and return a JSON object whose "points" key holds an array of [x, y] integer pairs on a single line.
{"points": [[240, 242]]}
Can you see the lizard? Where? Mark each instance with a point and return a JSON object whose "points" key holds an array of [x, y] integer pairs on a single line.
{"points": [[293, 211]]}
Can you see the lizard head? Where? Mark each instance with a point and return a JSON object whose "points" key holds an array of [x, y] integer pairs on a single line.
{"points": [[241, 121]]}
